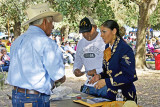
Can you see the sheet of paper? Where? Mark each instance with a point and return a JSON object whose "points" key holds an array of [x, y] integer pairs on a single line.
{"points": [[97, 100], [73, 95], [87, 81]]}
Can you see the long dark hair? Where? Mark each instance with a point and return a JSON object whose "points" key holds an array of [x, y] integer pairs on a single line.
{"points": [[111, 24]]}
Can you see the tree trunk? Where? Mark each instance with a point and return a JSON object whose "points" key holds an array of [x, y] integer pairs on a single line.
{"points": [[148, 32], [65, 32], [17, 29], [8, 28], [145, 10], [141, 37]]}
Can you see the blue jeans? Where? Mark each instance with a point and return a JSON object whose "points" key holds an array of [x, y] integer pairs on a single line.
{"points": [[4, 68], [38, 100], [95, 92]]}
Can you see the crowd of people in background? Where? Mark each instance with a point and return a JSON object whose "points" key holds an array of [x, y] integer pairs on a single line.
{"points": [[152, 44], [4, 56], [69, 49]]}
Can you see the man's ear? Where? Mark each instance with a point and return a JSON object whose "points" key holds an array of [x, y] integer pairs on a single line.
{"points": [[114, 31], [95, 27], [44, 23]]}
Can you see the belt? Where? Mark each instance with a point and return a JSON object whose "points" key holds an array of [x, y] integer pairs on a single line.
{"points": [[22, 90]]}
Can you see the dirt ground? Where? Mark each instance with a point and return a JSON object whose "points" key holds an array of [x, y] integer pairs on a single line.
{"points": [[148, 87]]}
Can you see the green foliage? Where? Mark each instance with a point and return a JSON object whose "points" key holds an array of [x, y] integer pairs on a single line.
{"points": [[104, 12], [12, 10], [155, 18], [126, 3], [124, 11], [132, 15], [75, 10]]}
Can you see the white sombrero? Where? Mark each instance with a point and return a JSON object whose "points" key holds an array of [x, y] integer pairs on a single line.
{"points": [[38, 11]]}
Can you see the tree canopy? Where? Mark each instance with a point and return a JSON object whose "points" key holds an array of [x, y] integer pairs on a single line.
{"points": [[124, 11]]}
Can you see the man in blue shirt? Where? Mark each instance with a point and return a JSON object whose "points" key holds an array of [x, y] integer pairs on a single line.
{"points": [[36, 62]]}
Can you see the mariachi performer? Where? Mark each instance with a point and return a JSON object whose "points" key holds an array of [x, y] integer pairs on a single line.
{"points": [[118, 64]]}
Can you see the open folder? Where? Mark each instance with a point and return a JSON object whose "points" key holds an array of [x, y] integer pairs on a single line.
{"points": [[101, 104]]}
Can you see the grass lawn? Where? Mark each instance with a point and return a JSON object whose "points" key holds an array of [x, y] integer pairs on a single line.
{"points": [[150, 62]]}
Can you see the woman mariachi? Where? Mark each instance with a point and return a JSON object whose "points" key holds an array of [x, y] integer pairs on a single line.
{"points": [[118, 64]]}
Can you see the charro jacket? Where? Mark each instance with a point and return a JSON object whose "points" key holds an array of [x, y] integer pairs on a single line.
{"points": [[119, 70]]}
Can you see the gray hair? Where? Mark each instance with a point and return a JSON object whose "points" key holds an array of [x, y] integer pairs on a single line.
{"points": [[40, 21], [2, 48]]}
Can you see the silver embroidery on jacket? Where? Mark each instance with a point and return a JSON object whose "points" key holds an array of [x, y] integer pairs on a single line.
{"points": [[126, 58]]}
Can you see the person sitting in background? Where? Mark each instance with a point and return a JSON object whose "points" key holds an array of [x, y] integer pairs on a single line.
{"points": [[153, 41], [58, 39], [157, 46], [150, 46], [5, 60], [69, 49], [149, 56], [71, 46], [1, 44], [8, 43], [75, 48], [132, 44], [67, 57]]}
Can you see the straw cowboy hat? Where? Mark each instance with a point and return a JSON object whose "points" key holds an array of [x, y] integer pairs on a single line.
{"points": [[39, 11]]}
